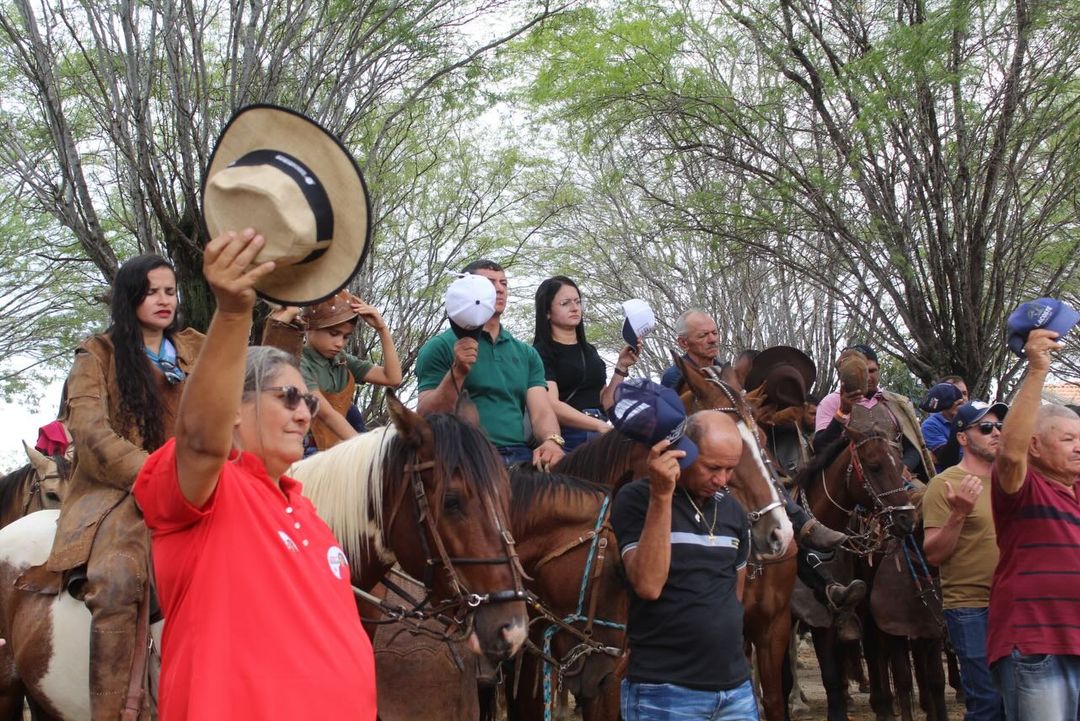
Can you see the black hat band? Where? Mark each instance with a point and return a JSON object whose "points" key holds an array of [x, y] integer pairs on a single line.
{"points": [[309, 185]]}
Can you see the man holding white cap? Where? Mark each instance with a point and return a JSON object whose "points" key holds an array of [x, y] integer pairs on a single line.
{"points": [[503, 376]]}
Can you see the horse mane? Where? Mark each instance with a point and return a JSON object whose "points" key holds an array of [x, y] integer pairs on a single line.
{"points": [[530, 489], [461, 447], [10, 484], [345, 485], [596, 457], [820, 462]]}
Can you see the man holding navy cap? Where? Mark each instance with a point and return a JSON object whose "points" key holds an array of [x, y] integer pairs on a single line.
{"points": [[684, 542], [1033, 642]]}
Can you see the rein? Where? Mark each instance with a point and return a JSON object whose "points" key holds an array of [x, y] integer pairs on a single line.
{"points": [[878, 521], [597, 538], [711, 374], [460, 607], [35, 489]]}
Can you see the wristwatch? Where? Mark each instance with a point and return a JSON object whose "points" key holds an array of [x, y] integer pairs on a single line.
{"points": [[559, 440]]}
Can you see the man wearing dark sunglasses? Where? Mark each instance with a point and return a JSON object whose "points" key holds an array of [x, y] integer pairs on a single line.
{"points": [[1033, 640], [960, 539]]}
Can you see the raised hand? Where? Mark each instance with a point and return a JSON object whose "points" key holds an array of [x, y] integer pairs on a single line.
{"points": [[962, 498], [1040, 344], [663, 468], [369, 313], [227, 265]]}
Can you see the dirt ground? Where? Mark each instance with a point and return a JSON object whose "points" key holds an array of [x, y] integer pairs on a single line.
{"points": [[810, 680], [814, 710]]}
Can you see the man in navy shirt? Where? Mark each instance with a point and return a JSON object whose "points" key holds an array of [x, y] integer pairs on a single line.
{"points": [[684, 542]]}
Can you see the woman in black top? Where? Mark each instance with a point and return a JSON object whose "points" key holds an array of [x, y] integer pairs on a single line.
{"points": [[575, 373]]}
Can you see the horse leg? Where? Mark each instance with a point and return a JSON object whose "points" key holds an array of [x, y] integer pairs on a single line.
{"points": [[954, 676], [11, 701], [930, 677], [832, 672], [900, 662], [792, 688], [881, 697], [770, 644]]}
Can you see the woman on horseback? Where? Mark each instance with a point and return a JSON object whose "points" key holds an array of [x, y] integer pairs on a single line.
{"points": [[261, 618], [121, 399], [575, 373]]}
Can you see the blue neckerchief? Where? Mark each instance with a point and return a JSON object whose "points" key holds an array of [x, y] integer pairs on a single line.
{"points": [[166, 361]]}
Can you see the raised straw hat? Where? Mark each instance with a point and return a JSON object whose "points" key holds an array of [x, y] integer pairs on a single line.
{"points": [[282, 174]]}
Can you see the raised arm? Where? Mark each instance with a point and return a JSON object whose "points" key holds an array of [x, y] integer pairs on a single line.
{"points": [[647, 565], [1019, 424], [443, 398], [389, 373], [628, 356], [211, 400]]}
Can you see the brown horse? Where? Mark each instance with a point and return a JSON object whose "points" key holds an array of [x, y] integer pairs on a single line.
{"points": [[568, 549], [858, 485], [446, 509], [771, 574], [37, 486]]}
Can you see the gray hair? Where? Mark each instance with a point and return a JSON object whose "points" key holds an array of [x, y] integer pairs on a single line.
{"points": [[1047, 415], [681, 330], [263, 363]]}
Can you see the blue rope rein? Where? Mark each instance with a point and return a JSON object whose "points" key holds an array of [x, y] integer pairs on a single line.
{"points": [[578, 616]]}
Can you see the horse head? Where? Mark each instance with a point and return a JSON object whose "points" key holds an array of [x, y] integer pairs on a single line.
{"points": [[448, 525], [753, 482], [878, 476], [51, 477], [569, 549]]}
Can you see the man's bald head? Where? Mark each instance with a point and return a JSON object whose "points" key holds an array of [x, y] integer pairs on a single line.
{"points": [[719, 449]]}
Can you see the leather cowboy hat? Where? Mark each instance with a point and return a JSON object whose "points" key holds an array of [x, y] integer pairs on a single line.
{"points": [[282, 174], [786, 372]]}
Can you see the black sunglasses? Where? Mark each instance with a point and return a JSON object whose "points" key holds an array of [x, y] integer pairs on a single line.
{"points": [[291, 397], [987, 427]]}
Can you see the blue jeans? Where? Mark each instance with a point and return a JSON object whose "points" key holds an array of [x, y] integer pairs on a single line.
{"points": [[668, 702], [1038, 687], [967, 632], [512, 455]]}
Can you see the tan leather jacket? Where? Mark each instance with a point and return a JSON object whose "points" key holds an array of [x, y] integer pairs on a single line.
{"points": [[107, 456], [904, 413]]}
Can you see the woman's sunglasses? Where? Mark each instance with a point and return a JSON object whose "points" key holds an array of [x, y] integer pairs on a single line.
{"points": [[291, 397], [987, 427]]}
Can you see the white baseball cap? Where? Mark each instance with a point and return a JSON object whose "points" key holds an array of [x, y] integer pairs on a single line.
{"points": [[470, 301], [640, 320]]}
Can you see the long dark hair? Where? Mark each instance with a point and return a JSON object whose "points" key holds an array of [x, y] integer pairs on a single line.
{"points": [[140, 402], [545, 296]]}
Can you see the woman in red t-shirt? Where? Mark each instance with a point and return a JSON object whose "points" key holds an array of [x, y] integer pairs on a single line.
{"points": [[260, 618]]}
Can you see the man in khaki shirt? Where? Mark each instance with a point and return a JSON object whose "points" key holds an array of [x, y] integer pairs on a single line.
{"points": [[960, 539]]}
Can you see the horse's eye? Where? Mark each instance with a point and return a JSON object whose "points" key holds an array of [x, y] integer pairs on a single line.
{"points": [[452, 503]]}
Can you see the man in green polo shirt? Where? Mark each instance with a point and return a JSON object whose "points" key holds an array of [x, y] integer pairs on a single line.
{"points": [[504, 378]]}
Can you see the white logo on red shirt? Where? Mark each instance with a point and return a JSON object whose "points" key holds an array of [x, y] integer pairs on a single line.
{"points": [[289, 543], [339, 565]]}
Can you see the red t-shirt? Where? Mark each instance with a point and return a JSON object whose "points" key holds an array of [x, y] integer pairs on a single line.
{"points": [[260, 621], [1033, 598]]}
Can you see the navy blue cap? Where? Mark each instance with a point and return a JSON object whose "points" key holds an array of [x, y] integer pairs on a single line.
{"points": [[971, 413], [648, 412], [1048, 313], [941, 397]]}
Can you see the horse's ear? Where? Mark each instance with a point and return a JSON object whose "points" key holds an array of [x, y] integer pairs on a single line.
{"points": [[692, 377], [38, 460], [411, 426], [466, 410]]}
